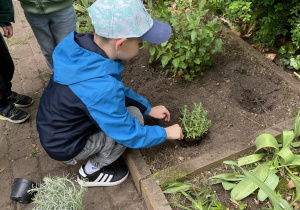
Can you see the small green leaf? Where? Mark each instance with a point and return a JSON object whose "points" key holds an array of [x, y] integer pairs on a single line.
{"points": [[173, 187], [197, 61], [216, 27], [287, 138], [295, 144], [272, 182], [287, 155], [165, 59], [228, 185], [194, 36], [282, 50], [230, 177], [152, 50], [295, 62], [266, 140], [250, 159], [175, 62]]}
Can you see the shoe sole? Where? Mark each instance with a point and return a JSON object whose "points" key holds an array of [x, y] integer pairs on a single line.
{"points": [[15, 121], [23, 106], [100, 184]]}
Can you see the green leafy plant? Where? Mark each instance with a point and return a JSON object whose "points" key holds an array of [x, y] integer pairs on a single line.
{"points": [[189, 51], [265, 176], [58, 193], [295, 24], [83, 22], [195, 124], [289, 59], [200, 199], [239, 9]]}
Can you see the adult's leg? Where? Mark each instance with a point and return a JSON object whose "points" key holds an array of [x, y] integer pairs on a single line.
{"points": [[62, 23], [6, 73], [40, 26]]}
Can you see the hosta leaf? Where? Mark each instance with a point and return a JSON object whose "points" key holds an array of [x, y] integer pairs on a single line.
{"points": [[272, 182], [228, 185], [287, 155], [287, 138], [250, 159], [245, 187], [228, 177], [266, 140]]}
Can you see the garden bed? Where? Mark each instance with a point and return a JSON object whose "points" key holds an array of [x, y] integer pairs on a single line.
{"points": [[242, 93]]}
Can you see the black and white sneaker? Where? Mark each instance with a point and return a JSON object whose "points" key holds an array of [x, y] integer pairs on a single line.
{"points": [[105, 177], [13, 114], [20, 100]]}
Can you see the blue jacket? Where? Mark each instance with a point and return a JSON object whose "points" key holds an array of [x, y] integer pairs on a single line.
{"points": [[86, 95]]}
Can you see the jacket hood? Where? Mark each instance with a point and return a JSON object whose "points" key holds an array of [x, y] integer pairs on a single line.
{"points": [[74, 64]]}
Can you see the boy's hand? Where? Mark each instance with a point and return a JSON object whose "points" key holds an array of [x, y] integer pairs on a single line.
{"points": [[174, 132], [160, 112], [8, 31]]}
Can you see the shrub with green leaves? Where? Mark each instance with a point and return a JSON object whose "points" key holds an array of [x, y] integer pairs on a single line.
{"points": [[193, 42], [58, 193], [194, 123]]}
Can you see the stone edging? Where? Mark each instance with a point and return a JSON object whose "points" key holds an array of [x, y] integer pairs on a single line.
{"points": [[148, 184]]}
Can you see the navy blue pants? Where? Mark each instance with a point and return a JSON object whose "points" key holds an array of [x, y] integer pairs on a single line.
{"points": [[6, 73]]}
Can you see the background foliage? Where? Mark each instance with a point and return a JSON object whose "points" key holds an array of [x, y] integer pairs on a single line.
{"points": [[275, 17]]}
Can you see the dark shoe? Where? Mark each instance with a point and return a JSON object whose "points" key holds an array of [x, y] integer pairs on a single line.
{"points": [[106, 176], [20, 100], [13, 114]]}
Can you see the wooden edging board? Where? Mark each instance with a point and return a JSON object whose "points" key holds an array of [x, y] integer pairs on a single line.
{"points": [[148, 184]]}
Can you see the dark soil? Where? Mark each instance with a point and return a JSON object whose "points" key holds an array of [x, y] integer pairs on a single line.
{"points": [[240, 95]]}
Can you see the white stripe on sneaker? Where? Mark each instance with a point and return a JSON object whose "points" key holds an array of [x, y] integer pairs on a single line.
{"points": [[103, 178], [99, 177]]}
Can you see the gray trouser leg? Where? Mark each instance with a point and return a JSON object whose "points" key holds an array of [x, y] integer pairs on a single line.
{"points": [[102, 149]]}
